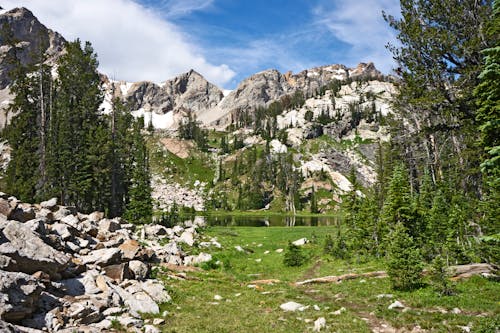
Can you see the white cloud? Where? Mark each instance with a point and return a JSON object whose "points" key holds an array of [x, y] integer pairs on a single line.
{"points": [[176, 8], [360, 24], [133, 43]]}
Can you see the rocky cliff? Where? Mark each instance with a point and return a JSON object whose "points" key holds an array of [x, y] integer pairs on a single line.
{"points": [[162, 104]]}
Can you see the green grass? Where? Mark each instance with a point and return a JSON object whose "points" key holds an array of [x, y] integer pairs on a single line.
{"points": [[245, 309]]}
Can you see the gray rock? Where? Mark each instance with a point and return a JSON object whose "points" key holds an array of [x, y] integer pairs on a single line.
{"points": [[155, 289], [62, 230], [8, 328], [46, 214], [396, 305], [187, 238], [37, 225], [95, 216], [107, 226], [22, 213], [103, 257], [30, 252], [72, 221], [138, 303], [198, 259], [19, 293], [172, 248], [139, 269], [150, 329], [155, 230], [49, 204]]}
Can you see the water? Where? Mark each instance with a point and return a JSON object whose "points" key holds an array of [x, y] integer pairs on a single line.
{"points": [[274, 221]]}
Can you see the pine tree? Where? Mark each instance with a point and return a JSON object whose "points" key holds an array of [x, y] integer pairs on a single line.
{"points": [[404, 263], [398, 207], [140, 207]]}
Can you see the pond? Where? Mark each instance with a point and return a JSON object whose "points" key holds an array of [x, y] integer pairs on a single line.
{"points": [[274, 220]]}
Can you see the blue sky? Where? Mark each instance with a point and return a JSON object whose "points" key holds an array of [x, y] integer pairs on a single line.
{"points": [[225, 40]]}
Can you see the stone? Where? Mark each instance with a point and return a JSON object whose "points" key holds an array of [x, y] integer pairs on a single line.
{"points": [[177, 229], [19, 293], [30, 252], [218, 298], [155, 230], [8, 327], [130, 249], [84, 284], [279, 251], [198, 259], [37, 225], [319, 324], [45, 213], [174, 260], [138, 303], [22, 213], [396, 305], [139, 269], [118, 272], [187, 238], [49, 204], [5, 208], [103, 257], [158, 321], [62, 230], [107, 226], [292, 306], [339, 311], [72, 221], [150, 329], [155, 289], [172, 248], [95, 216], [61, 213], [300, 242]]}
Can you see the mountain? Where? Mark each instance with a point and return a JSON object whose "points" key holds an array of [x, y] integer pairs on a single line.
{"points": [[164, 103]]}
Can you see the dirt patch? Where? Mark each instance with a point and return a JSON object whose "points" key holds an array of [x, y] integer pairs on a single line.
{"points": [[177, 147], [313, 271]]}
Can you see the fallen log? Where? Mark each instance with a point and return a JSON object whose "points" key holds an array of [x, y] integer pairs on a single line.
{"points": [[340, 278], [456, 273]]}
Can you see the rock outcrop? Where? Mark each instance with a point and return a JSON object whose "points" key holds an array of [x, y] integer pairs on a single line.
{"points": [[61, 270]]}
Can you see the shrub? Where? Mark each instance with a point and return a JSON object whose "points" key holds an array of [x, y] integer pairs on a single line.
{"points": [[294, 256], [439, 277]]}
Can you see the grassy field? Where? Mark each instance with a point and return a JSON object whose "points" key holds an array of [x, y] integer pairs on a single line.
{"points": [[351, 306]]}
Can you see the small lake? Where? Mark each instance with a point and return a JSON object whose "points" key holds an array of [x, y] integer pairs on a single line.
{"points": [[273, 221]]}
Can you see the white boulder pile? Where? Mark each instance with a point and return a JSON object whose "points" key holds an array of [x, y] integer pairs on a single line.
{"points": [[64, 271]]}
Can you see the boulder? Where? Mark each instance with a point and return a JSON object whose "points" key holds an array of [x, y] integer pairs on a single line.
{"points": [[46, 214], [30, 252], [300, 242], [5, 208], [155, 289], [107, 226], [49, 204], [22, 213], [139, 269], [37, 225], [72, 221], [138, 303], [319, 324], [187, 237], [195, 260], [62, 230], [19, 293], [103, 257], [118, 272], [292, 306], [130, 249], [155, 230], [95, 216]]}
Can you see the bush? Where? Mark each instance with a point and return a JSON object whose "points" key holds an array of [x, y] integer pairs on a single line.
{"points": [[439, 277], [336, 247], [294, 256], [404, 264]]}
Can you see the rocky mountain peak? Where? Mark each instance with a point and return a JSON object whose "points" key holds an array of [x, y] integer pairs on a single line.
{"points": [[32, 38]]}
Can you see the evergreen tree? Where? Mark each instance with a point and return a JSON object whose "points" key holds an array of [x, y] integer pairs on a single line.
{"points": [[488, 119], [404, 263], [314, 203], [140, 207], [398, 206]]}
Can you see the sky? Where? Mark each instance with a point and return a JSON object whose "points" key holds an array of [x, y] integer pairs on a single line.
{"points": [[224, 40]]}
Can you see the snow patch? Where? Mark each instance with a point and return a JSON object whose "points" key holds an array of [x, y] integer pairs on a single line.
{"points": [[159, 121]]}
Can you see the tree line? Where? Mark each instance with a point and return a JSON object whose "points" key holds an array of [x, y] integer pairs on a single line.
{"points": [[64, 146]]}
